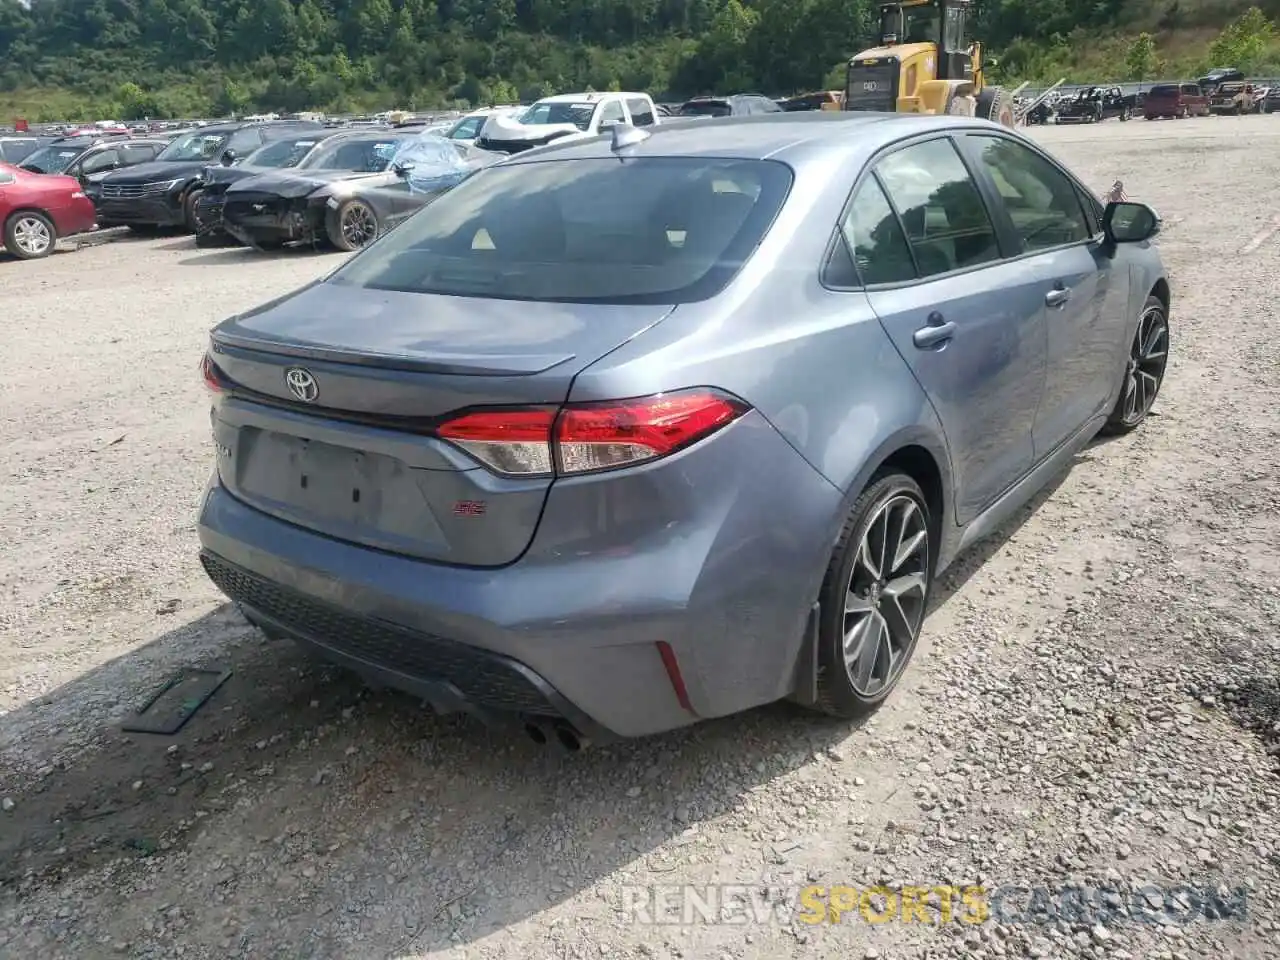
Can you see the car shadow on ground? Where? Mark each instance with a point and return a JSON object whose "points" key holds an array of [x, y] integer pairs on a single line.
{"points": [[238, 255], [302, 786]]}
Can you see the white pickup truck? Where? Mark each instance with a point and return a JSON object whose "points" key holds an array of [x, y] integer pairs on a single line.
{"points": [[569, 116]]}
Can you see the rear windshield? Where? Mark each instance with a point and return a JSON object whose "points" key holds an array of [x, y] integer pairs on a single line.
{"points": [[706, 108], [650, 230], [1163, 90]]}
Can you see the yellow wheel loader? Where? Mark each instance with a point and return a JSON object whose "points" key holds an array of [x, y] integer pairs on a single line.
{"points": [[925, 63]]}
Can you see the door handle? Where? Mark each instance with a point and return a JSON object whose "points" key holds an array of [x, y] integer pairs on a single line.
{"points": [[1057, 296], [938, 332]]}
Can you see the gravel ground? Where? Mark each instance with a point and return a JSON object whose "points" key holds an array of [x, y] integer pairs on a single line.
{"points": [[1096, 702]]}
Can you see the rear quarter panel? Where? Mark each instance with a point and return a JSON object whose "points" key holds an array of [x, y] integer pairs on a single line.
{"points": [[815, 363]]}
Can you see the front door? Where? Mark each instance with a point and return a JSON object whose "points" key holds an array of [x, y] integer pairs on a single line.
{"points": [[935, 276], [1084, 299]]}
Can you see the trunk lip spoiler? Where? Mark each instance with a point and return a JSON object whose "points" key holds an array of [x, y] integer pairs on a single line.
{"points": [[458, 364]]}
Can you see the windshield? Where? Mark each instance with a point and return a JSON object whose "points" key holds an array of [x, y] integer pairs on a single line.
{"points": [[364, 154], [652, 230], [51, 159], [195, 146], [705, 108], [282, 153], [579, 114]]}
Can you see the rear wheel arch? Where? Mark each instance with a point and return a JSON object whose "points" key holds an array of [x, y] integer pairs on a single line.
{"points": [[921, 466]]}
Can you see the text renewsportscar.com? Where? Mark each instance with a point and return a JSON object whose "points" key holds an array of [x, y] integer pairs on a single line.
{"points": [[688, 904]]}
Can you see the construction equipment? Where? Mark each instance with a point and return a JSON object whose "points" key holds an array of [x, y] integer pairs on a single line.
{"points": [[925, 63]]}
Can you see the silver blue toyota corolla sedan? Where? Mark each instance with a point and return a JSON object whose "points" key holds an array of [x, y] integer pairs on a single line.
{"points": [[663, 425]]}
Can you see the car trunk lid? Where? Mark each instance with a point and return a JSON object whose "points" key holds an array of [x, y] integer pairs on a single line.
{"points": [[331, 398]]}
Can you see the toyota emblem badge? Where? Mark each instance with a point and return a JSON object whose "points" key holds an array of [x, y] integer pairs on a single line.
{"points": [[302, 384]]}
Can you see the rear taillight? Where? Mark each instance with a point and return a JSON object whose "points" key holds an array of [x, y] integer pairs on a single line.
{"points": [[583, 438], [212, 375]]}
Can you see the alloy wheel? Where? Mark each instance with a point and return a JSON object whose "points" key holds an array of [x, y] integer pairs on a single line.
{"points": [[32, 236], [1148, 355], [358, 225], [885, 599]]}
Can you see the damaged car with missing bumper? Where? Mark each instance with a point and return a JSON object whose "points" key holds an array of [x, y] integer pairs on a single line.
{"points": [[349, 191]]}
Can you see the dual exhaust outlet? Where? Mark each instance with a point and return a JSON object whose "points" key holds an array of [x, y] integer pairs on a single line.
{"points": [[544, 732]]}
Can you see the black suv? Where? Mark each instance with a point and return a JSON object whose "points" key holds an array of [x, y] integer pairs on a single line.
{"points": [[738, 105], [163, 193], [90, 160]]}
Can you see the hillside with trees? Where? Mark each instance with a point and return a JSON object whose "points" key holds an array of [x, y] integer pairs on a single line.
{"points": [[61, 59]]}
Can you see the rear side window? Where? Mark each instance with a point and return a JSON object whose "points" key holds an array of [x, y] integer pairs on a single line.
{"points": [[611, 113], [1040, 200], [946, 222], [641, 112], [1190, 90], [872, 231], [673, 230]]}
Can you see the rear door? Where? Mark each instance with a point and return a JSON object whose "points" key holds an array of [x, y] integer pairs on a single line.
{"points": [[1083, 298], [931, 262]]}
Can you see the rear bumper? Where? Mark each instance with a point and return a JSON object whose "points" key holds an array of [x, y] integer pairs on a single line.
{"points": [[79, 217], [726, 578]]}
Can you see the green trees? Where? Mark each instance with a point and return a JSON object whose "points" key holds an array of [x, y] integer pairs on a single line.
{"points": [[1140, 59], [203, 56], [1244, 43]]}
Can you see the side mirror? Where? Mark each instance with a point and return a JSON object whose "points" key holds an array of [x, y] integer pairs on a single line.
{"points": [[229, 157], [402, 170], [1128, 222]]}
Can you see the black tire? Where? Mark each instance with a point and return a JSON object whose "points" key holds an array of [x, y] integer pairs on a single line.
{"points": [[30, 235], [1150, 335], [993, 105], [144, 229], [189, 210], [896, 496], [338, 225]]}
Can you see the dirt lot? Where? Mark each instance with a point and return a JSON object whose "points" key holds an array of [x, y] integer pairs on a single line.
{"points": [[1097, 701]]}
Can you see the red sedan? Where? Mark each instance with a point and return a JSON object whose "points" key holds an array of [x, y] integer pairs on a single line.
{"points": [[36, 209]]}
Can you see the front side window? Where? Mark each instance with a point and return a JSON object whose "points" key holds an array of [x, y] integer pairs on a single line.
{"points": [[674, 230], [282, 153], [244, 142], [946, 222], [195, 146], [363, 154], [138, 153], [102, 160], [468, 128], [1041, 200], [874, 235]]}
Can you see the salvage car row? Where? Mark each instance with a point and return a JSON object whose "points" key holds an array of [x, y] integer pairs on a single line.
{"points": [[269, 182], [286, 180]]}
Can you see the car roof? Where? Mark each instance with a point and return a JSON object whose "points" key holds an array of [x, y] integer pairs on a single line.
{"points": [[587, 97], [785, 136]]}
